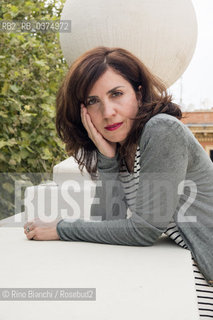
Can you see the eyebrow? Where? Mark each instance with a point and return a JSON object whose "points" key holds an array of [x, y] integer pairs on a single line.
{"points": [[110, 91]]}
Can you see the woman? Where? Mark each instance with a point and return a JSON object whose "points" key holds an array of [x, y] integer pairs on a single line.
{"points": [[118, 121]]}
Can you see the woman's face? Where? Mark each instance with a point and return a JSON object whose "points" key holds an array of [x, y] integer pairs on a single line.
{"points": [[111, 103]]}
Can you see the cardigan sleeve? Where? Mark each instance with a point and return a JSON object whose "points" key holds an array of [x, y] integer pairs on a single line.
{"points": [[109, 191], [163, 165]]}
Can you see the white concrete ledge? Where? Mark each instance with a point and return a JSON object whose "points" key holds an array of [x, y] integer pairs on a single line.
{"points": [[67, 167], [152, 283]]}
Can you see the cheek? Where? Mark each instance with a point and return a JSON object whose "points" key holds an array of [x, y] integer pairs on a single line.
{"points": [[94, 116], [91, 113], [131, 107]]}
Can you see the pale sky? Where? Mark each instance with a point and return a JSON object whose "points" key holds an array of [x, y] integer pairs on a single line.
{"points": [[197, 83]]}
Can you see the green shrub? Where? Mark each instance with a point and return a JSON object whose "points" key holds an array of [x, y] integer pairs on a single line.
{"points": [[31, 69]]}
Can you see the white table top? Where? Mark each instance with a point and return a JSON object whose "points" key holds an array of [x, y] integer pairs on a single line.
{"points": [[142, 282]]}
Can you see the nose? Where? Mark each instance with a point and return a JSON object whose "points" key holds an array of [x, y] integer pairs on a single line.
{"points": [[108, 109]]}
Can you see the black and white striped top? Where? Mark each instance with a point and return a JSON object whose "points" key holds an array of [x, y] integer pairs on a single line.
{"points": [[130, 183]]}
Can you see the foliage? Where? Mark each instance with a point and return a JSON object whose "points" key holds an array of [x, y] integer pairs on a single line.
{"points": [[31, 70]]}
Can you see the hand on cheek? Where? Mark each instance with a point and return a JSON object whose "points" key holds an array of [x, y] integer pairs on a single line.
{"points": [[104, 146], [86, 120]]}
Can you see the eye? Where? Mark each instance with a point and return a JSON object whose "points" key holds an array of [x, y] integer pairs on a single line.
{"points": [[91, 101], [117, 93]]}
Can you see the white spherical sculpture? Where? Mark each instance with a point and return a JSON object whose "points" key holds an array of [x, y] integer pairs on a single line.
{"points": [[162, 33]]}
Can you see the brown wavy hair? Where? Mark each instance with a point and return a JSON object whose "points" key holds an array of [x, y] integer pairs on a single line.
{"points": [[81, 77]]}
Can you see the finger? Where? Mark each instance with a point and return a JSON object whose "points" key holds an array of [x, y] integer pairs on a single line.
{"points": [[91, 129], [94, 134], [28, 227], [30, 234], [28, 223], [26, 231], [83, 117]]}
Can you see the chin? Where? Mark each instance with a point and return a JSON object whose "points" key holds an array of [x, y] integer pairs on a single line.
{"points": [[120, 140]]}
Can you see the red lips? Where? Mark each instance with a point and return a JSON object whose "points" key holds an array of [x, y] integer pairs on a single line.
{"points": [[114, 126]]}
